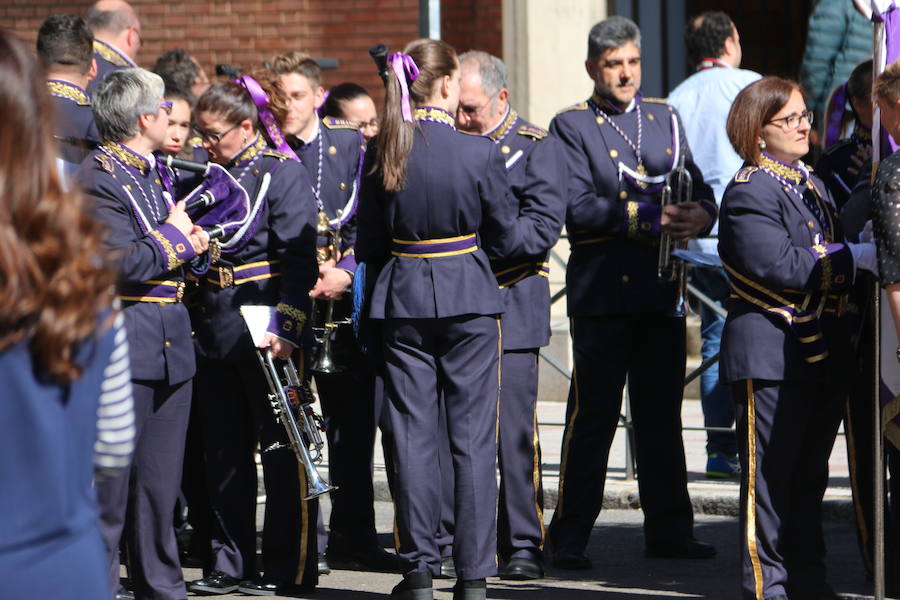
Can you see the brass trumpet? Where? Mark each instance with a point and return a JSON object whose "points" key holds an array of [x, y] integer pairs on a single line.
{"points": [[678, 188], [291, 400], [325, 362]]}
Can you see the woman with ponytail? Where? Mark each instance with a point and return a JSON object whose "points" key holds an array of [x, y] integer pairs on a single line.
{"points": [[270, 261], [435, 204]]}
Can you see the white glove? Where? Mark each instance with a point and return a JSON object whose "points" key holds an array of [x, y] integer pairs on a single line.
{"points": [[865, 257], [866, 236]]}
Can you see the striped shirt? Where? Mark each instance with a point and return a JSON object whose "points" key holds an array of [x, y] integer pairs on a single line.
{"points": [[115, 413]]}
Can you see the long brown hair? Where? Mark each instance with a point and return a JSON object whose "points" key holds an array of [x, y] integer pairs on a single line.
{"points": [[435, 59], [54, 277], [231, 102], [753, 107]]}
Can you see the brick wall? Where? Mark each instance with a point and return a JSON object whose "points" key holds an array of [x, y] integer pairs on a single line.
{"points": [[248, 32]]}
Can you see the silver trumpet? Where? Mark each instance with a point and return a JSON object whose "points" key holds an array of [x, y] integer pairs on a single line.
{"points": [[678, 188], [291, 400], [325, 362]]}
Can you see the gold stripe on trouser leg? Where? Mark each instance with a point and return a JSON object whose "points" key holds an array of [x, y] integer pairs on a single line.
{"points": [[570, 427], [751, 491], [304, 526], [536, 476]]}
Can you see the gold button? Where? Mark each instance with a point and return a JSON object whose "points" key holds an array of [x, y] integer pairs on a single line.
{"points": [[600, 120], [193, 333], [343, 186], [168, 343], [810, 224], [651, 117], [623, 195], [158, 182], [614, 153], [669, 151], [255, 172], [332, 150], [625, 278], [505, 149]]}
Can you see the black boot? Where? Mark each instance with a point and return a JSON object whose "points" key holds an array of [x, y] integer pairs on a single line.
{"points": [[415, 586], [470, 589]]}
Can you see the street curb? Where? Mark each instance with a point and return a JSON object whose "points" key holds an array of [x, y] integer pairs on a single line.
{"points": [[837, 506]]}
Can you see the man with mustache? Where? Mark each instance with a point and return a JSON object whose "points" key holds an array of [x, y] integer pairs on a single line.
{"points": [[619, 147]]}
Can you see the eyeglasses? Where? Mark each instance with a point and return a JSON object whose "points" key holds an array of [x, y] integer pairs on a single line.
{"points": [[474, 110], [364, 124], [213, 138], [167, 106], [139, 36], [791, 122]]}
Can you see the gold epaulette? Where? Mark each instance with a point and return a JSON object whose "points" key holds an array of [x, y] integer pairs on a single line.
{"points": [[743, 176], [281, 156], [656, 100], [532, 131], [579, 106], [195, 142], [104, 161], [332, 123]]}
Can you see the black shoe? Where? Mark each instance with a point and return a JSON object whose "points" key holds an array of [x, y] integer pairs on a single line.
{"points": [[448, 568], [470, 589], [572, 561], [415, 586], [265, 587], [324, 569], [522, 568], [372, 558], [686, 548], [123, 594], [216, 582]]}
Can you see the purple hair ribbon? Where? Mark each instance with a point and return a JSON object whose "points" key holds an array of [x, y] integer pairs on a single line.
{"points": [[404, 66], [833, 117], [261, 100]]}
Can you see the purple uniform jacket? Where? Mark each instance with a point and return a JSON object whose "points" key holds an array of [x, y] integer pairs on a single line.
{"points": [[75, 130], [108, 59], [790, 270], [129, 200], [433, 237], [537, 174], [612, 222], [282, 242]]}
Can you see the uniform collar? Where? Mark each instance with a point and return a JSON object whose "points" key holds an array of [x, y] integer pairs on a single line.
{"points": [[65, 89], [113, 55], [862, 134], [128, 157], [504, 126], [250, 151], [611, 108], [796, 174], [435, 115]]}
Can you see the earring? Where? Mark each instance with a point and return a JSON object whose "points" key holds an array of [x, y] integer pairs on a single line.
{"points": [[762, 144]]}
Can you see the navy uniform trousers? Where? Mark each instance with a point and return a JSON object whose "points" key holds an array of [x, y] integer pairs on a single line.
{"points": [[456, 358], [650, 349], [785, 430], [234, 406]]}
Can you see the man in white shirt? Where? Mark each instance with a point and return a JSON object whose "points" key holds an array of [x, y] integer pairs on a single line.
{"points": [[704, 100]]}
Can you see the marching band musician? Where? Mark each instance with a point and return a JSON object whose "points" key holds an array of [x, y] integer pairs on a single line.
{"points": [[274, 265], [152, 238], [64, 47], [331, 150], [437, 298], [117, 38], [537, 174], [785, 348], [620, 147]]}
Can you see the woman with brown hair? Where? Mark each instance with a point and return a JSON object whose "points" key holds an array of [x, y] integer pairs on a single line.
{"points": [[435, 203], [786, 342], [63, 358]]}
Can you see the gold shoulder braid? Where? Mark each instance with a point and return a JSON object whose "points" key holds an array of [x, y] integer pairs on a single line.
{"points": [[533, 131], [109, 55], [500, 132], [790, 173], [252, 150], [333, 123], [434, 114], [64, 90], [129, 158], [579, 106]]}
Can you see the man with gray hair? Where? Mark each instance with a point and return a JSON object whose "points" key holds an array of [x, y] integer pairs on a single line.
{"points": [[536, 171], [149, 238], [117, 37], [620, 147]]}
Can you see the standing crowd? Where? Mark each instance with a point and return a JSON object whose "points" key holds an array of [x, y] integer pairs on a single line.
{"points": [[402, 257]]}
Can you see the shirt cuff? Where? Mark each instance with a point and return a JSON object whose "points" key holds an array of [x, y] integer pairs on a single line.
{"points": [[173, 245], [834, 268]]}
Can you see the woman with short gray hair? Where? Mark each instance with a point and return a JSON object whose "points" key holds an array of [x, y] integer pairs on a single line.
{"points": [[150, 237]]}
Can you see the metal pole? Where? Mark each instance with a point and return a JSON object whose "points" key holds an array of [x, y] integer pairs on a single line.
{"points": [[430, 19], [629, 438]]}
